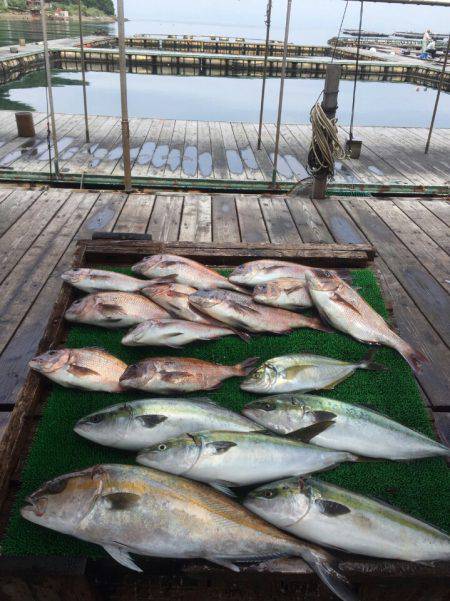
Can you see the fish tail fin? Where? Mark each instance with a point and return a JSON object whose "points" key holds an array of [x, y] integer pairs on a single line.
{"points": [[244, 368], [415, 359], [368, 362], [245, 336], [327, 569]]}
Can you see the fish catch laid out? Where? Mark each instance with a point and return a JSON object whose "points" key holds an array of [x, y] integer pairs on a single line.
{"points": [[97, 280], [85, 368], [174, 298], [341, 426], [265, 270], [347, 311], [173, 333], [285, 293], [332, 516], [240, 311], [132, 509], [239, 458], [138, 424], [114, 310], [168, 375], [182, 271], [303, 372]]}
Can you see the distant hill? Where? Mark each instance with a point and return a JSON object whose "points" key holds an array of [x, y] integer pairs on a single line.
{"points": [[90, 7]]}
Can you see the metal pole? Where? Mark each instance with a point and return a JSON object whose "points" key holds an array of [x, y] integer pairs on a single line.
{"points": [[438, 95], [361, 10], [83, 76], [266, 55], [123, 98], [280, 98], [49, 88]]}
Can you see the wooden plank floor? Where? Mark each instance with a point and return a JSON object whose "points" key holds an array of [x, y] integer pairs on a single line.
{"points": [[39, 229], [192, 150]]}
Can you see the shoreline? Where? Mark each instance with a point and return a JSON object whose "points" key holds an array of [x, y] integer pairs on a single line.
{"points": [[11, 16]]}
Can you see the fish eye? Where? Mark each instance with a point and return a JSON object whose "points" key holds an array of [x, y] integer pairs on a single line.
{"points": [[267, 407], [294, 402], [96, 419], [268, 494], [162, 447], [56, 487], [52, 353]]}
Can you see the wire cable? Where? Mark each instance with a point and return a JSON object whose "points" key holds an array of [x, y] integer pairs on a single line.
{"points": [[355, 81]]}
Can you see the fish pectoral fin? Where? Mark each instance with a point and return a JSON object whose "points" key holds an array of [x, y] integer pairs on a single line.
{"points": [[150, 421], [174, 376], [224, 563], [307, 434], [219, 447], [109, 309], [223, 487], [331, 508], [295, 288], [321, 416], [121, 501], [241, 308], [337, 298], [169, 263], [81, 372], [121, 555]]}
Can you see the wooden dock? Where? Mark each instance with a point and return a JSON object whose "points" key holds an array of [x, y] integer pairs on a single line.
{"points": [[39, 229], [221, 155]]}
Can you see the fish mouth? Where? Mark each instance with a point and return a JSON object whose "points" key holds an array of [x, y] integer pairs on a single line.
{"points": [[34, 507]]}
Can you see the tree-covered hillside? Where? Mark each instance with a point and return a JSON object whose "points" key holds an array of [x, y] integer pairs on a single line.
{"points": [[90, 7]]}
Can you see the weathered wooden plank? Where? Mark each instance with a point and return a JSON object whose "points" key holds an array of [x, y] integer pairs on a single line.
{"points": [[196, 223], [5, 192], [440, 208], [161, 153], [252, 170], [135, 214], [261, 155], [420, 244], [309, 223], [224, 219], [284, 172], [426, 292], [144, 158], [29, 276], [14, 205], [280, 225], [234, 160], [251, 222], [112, 162], [15, 357], [176, 147], [4, 420], [220, 166], [16, 241], [138, 134], [189, 165], [291, 153], [442, 424], [205, 159], [426, 220], [164, 223]]}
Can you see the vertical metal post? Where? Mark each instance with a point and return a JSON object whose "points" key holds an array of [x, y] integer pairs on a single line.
{"points": [[329, 105], [123, 98], [438, 95], [83, 75], [49, 89], [358, 49], [281, 95], [266, 56]]}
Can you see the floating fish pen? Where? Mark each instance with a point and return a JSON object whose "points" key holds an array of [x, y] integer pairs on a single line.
{"points": [[160, 63], [368, 41], [15, 66], [39, 443]]}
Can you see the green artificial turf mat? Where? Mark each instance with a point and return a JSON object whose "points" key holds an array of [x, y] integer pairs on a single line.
{"points": [[420, 488]]}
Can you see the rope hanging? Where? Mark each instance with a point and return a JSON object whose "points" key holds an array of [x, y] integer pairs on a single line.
{"points": [[325, 147]]}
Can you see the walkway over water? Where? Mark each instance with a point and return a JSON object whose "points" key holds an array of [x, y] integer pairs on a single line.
{"points": [[221, 155]]}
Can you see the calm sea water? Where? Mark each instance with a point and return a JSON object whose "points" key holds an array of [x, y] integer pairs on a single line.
{"points": [[233, 98]]}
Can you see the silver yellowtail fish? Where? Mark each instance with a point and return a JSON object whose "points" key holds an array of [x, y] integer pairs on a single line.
{"points": [[286, 293], [341, 426], [86, 368], [182, 271], [347, 311], [240, 311], [266, 270], [303, 372], [239, 459], [114, 310], [131, 509], [174, 333], [138, 424], [331, 516], [168, 375], [97, 280]]}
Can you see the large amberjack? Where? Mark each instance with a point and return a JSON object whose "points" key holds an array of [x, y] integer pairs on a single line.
{"points": [[130, 509]]}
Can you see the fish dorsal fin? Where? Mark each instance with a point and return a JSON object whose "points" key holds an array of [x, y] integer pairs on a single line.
{"points": [[81, 372], [223, 487], [331, 508], [121, 555], [121, 501], [307, 434], [150, 421], [338, 298]]}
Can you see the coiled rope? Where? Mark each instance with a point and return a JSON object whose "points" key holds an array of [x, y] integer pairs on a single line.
{"points": [[325, 147]]}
